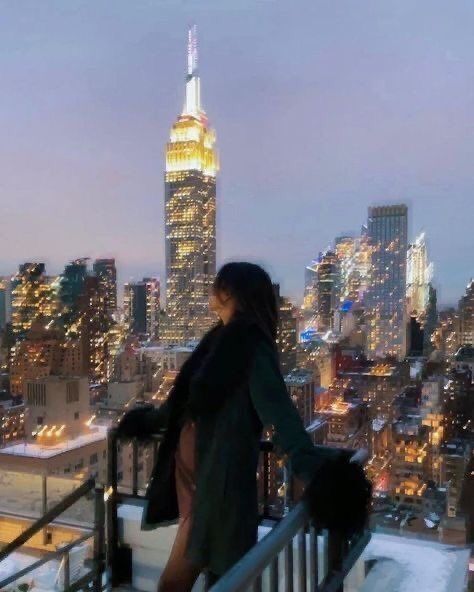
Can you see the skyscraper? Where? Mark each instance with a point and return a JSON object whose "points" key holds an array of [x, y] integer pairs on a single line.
{"points": [[286, 338], [84, 316], [386, 298], [142, 307], [345, 248], [327, 289], [419, 276], [309, 299], [32, 297], [354, 258], [190, 214], [106, 271], [466, 315], [5, 295]]}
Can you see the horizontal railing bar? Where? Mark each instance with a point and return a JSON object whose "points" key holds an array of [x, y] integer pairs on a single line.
{"points": [[48, 557], [50, 515], [266, 445]]}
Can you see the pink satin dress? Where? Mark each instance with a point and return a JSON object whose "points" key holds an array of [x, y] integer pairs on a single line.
{"points": [[179, 573], [185, 469]]}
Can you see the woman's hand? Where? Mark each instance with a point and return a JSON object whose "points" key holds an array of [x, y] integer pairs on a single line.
{"points": [[132, 423], [339, 496]]}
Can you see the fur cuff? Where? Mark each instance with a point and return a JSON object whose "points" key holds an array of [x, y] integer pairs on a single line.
{"points": [[339, 496]]}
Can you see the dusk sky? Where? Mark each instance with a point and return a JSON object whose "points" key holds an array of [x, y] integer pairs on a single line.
{"points": [[321, 109]]}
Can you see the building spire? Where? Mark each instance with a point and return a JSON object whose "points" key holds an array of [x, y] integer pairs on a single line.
{"points": [[192, 51], [192, 102]]}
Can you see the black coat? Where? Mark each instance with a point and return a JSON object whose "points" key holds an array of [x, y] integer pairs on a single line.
{"points": [[232, 386]]}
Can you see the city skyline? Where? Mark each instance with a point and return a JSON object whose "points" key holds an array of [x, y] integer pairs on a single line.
{"points": [[90, 131]]}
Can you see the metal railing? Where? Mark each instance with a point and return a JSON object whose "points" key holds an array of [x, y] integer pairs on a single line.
{"points": [[97, 533], [323, 560], [118, 555], [292, 554]]}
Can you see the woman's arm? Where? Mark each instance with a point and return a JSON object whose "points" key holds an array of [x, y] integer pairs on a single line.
{"points": [[274, 407], [337, 492]]}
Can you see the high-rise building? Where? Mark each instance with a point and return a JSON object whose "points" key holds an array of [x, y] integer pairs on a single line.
{"points": [[44, 352], [309, 298], [92, 326], [286, 338], [345, 247], [386, 302], [5, 301], [71, 288], [190, 214], [142, 307], [466, 315], [32, 297], [411, 461], [446, 337], [301, 388], [106, 271], [84, 316], [353, 255], [327, 289], [458, 404], [419, 276], [430, 320]]}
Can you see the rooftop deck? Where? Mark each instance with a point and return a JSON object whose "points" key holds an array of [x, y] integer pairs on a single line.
{"points": [[113, 553]]}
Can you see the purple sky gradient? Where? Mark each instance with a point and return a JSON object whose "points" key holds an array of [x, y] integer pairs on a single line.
{"points": [[321, 108]]}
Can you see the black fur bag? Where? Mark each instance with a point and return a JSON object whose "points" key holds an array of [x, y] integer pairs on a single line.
{"points": [[339, 496]]}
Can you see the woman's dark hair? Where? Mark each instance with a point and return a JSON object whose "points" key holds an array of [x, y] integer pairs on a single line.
{"points": [[251, 287]]}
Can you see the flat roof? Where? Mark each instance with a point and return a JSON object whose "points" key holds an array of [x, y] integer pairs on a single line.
{"points": [[405, 563], [34, 450]]}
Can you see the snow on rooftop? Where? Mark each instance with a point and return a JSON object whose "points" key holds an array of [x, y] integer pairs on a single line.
{"points": [[97, 434], [410, 564]]}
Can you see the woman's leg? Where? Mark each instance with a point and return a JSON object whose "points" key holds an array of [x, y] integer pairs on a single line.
{"points": [[179, 574]]}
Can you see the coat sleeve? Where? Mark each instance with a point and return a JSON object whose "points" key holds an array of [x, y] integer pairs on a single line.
{"points": [[274, 407], [143, 421]]}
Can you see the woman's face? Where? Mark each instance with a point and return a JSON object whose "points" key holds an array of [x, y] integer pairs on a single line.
{"points": [[222, 304]]}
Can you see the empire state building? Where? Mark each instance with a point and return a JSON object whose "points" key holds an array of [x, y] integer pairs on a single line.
{"points": [[190, 214]]}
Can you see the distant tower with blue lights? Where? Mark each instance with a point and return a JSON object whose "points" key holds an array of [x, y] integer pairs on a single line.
{"points": [[386, 299]]}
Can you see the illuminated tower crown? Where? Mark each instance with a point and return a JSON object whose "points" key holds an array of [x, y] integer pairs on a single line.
{"points": [[191, 145]]}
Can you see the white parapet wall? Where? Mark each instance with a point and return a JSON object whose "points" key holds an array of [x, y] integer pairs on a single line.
{"points": [[150, 549]]}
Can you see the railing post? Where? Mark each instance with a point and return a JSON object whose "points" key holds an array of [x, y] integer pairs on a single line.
{"points": [[99, 540], [111, 508], [134, 466], [288, 566], [313, 558], [266, 447], [66, 580], [266, 472], [301, 545], [273, 574], [335, 554], [44, 505]]}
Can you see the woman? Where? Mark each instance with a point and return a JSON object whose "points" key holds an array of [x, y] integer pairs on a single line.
{"points": [[205, 474]]}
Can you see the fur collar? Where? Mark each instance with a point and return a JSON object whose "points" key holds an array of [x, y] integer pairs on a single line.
{"points": [[221, 363]]}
